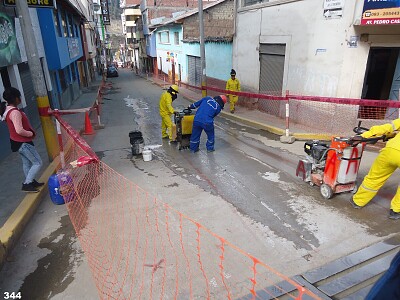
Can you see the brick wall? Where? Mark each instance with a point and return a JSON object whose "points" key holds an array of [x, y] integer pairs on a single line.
{"points": [[132, 2], [218, 23], [165, 8]]}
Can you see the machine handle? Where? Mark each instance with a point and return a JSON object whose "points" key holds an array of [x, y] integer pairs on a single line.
{"points": [[354, 141], [359, 130], [187, 111]]}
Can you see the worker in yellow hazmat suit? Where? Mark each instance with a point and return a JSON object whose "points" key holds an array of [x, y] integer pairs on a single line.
{"points": [[387, 161], [233, 84], [166, 110]]}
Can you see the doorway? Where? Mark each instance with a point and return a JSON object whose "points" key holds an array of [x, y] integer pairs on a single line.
{"points": [[5, 77], [379, 80], [272, 67]]}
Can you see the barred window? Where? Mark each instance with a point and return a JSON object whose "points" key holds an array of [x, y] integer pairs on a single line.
{"points": [[271, 2], [56, 24], [163, 37], [251, 2], [64, 24]]}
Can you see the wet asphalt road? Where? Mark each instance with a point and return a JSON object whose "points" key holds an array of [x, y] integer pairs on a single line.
{"points": [[250, 171]]}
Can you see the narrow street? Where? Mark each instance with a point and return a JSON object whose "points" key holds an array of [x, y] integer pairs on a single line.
{"points": [[245, 191]]}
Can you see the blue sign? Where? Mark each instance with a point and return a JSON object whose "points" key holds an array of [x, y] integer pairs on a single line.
{"points": [[375, 4], [73, 47], [381, 12]]}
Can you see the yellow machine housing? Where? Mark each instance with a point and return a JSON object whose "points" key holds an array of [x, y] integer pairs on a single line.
{"points": [[182, 129], [187, 124]]}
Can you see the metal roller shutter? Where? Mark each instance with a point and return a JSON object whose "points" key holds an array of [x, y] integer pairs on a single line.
{"points": [[272, 64], [30, 97], [194, 70]]}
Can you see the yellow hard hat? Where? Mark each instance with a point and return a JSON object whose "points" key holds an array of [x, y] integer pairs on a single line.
{"points": [[174, 88]]}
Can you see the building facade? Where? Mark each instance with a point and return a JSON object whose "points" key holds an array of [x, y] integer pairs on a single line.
{"points": [[61, 30], [130, 15], [170, 56], [178, 44], [155, 13], [333, 49], [14, 69], [218, 20], [66, 42]]}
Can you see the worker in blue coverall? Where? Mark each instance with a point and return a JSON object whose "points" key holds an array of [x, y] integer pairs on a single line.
{"points": [[208, 109]]}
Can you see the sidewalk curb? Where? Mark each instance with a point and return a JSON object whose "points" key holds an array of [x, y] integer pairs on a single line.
{"points": [[269, 128], [15, 224]]}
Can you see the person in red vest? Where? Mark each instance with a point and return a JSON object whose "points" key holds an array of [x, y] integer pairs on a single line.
{"points": [[21, 138]]}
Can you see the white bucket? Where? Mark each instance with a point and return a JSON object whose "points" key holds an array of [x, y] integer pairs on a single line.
{"points": [[147, 155]]}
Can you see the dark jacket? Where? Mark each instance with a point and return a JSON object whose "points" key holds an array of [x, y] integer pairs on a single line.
{"points": [[388, 286]]}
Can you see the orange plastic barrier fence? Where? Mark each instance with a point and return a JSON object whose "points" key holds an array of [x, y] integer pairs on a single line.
{"points": [[309, 114], [139, 247]]}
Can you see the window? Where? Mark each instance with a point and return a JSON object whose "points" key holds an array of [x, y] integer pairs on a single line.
{"points": [[64, 25], [56, 23], [70, 26], [251, 2], [163, 37], [176, 38]]}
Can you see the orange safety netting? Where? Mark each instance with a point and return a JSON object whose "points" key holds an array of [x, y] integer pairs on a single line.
{"points": [[139, 247], [307, 114]]}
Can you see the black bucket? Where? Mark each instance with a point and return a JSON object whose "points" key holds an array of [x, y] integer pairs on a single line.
{"points": [[137, 142], [134, 135]]}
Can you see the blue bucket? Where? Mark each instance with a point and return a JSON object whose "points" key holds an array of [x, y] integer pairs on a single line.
{"points": [[56, 196]]}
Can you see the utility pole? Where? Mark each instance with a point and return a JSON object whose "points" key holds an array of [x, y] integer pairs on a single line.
{"points": [[202, 51], [134, 49], [35, 67]]}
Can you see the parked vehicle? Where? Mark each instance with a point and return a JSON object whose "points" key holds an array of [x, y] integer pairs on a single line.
{"points": [[112, 71]]}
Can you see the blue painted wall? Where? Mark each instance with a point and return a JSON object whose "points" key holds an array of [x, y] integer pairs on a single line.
{"points": [[218, 55], [56, 47], [58, 53], [218, 59], [164, 49]]}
